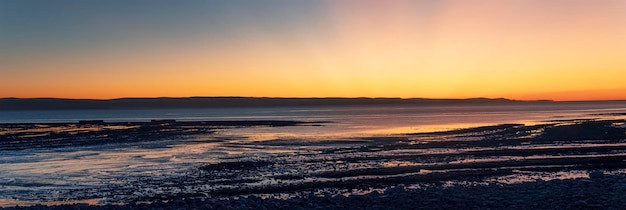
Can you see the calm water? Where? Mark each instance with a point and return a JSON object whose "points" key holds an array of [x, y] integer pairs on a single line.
{"points": [[344, 118], [42, 175]]}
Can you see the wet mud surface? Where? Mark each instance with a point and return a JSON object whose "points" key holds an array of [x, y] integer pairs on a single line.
{"points": [[52, 135], [499, 166], [605, 192]]}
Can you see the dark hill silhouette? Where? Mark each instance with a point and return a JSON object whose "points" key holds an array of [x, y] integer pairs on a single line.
{"points": [[215, 102]]}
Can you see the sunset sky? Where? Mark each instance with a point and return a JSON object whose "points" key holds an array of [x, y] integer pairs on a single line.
{"points": [[518, 49]]}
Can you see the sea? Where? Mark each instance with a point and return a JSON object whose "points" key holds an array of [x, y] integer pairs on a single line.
{"points": [[343, 119], [46, 175]]}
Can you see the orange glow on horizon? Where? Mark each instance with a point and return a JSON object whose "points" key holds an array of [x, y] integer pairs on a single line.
{"points": [[528, 50]]}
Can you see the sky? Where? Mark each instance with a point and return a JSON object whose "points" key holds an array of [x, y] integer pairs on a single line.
{"points": [[517, 49]]}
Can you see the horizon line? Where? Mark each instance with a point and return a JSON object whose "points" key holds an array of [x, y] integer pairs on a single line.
{"points": [[334, 97]]}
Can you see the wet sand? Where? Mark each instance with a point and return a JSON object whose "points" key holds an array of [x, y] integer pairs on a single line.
{"points": [[606, 192], [513, 166], [19, 136]]}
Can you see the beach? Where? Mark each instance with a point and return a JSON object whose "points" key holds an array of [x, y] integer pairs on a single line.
{"points": [[507, 160], [560, 162], [598, 193]]}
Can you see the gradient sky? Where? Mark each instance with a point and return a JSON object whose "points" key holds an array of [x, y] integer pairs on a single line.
{"points": [[519, 49]]}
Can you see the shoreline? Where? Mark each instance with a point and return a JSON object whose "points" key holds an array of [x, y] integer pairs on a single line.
{"points": [[489, 158], [19, 136], [598, 192]]}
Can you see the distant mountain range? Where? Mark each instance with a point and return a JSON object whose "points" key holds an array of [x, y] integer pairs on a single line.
{"points": [[223, 102]]}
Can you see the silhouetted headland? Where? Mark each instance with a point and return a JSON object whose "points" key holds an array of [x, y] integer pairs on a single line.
{"points": [[217, 102]]}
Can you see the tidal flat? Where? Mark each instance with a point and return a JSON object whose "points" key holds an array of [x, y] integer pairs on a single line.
{"points": [[565, 163]]}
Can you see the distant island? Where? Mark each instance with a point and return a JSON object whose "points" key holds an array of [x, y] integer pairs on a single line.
{"points": [[232, 102], [229, 102]]}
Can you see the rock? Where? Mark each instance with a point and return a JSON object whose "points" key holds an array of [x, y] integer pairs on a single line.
{"points": [[394, 190], [596, 174], [580, 203]]}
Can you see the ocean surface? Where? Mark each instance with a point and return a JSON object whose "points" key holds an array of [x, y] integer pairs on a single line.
{"points": [[86, 173], [345, 119]]}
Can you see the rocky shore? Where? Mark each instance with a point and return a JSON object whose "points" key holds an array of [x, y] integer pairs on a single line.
{"points": [[599, 192], [573, 164], [20, 136]]}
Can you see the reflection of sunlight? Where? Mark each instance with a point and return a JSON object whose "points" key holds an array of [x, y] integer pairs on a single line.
{"points": [[522, 176], [424, 128], [13, 203], [396, 130], [396, 163], [91, 169], [43, 130], [532, 157]]}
